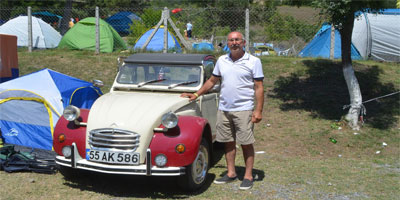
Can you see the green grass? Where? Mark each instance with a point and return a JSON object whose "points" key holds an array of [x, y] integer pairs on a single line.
{"points": [[302, 110]]}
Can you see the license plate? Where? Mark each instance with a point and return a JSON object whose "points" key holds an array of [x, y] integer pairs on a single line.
{"points": [[112, 157]]}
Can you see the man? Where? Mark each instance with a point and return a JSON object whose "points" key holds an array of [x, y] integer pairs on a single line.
{"points": [[242, 82], [189, 27]]}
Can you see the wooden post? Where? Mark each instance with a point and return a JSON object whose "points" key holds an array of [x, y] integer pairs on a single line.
{"points": [[97, 31], [247, 30], [332, 49], [30, 29], [165, 19]]}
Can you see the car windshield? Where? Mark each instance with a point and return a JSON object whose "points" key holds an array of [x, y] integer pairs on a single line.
{"points": [[161, 75]]}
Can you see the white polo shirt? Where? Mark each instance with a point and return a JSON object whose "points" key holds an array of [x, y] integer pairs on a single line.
{"points": [[237, 89]]}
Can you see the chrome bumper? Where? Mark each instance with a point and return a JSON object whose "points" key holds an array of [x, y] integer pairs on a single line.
{"points": [[145, 169]]}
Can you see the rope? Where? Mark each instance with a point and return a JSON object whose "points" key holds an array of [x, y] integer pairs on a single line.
{"points": [[346, 106]]}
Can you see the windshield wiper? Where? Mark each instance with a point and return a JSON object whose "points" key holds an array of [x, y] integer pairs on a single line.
{"points": [[150, 81], [181, 83]]}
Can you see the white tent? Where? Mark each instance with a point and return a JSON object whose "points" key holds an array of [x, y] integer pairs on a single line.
{"points": [[377, 35], [43, 35]]}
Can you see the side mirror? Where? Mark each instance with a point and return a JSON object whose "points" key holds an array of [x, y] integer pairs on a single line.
{"points": [[98, 83]]}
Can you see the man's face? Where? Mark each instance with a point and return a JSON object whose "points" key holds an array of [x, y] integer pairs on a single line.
{"points": [[236, 42]]}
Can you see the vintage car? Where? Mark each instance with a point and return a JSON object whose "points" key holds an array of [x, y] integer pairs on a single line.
{"points": [[143, 126]]}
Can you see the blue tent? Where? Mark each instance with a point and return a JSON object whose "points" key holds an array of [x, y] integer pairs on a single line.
{"points": [[203, 46], [48, 17], [157, 42], [122, 21], [31, 105], [321, 43]]}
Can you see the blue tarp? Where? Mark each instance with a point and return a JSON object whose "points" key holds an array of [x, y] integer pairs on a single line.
{"points": [[321, 43], [122, 21], [31, 105], [203, 46], [157, 42]]}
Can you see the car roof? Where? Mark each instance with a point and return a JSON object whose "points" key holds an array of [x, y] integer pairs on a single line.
{"points": [[168, 58]]}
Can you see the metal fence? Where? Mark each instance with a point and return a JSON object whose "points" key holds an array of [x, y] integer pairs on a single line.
{"points": [[262, 28]]}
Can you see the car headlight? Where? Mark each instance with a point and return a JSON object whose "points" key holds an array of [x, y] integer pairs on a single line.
{"points": [[67, 151], [71, 113], [160, 160], [169, 120]]}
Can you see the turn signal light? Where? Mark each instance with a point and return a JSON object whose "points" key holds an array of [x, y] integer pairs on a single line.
{"points": [[61, 138], [180, 148]]}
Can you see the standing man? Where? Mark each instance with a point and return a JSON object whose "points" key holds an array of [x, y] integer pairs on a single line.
{"points": [[189, 27], [242, 82]]}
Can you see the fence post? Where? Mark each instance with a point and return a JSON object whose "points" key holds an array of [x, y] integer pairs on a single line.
{"points": [[97, 31], [29, 29], [247, 30], [166, 16], [332, 50]]}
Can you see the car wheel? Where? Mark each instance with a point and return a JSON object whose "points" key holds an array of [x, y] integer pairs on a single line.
{"points": [[196, 173]]}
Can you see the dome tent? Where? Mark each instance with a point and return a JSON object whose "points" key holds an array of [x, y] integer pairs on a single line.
{"points": [[321, 43], [31, 105], [157, 42], [83, 36], [43, 35], [122, 21]]}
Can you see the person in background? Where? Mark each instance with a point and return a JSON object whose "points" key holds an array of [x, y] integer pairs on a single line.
{"points": [[71, 23], [189, 27], [240, 106]]}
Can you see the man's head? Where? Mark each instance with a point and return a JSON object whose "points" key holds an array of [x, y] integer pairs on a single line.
{"points": [[236, 43]]}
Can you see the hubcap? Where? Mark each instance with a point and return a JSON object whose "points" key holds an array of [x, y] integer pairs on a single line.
{"points": [[199, 167]]}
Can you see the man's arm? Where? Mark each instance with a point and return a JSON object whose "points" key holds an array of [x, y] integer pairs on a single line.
{"points": [[207, 86], [259, 94]]}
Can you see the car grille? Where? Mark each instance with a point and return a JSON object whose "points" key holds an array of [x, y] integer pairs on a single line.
{"points": [[113, 139]]}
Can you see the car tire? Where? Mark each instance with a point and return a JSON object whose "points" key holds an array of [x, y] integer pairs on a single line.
{"points": [[196, 173]]}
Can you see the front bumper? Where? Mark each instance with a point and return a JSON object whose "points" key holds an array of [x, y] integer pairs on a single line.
{"points": [[145, 169]]}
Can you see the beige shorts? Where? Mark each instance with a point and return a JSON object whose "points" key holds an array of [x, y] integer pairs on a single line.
{"points": [[235, 126]]}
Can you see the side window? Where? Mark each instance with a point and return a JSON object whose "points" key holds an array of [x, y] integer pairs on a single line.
{"points": [[208, 69]]}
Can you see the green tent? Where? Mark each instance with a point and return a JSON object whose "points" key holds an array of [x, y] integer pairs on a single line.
{"points": [[83, 36]]}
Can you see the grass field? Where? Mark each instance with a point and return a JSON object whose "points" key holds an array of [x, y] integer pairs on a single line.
{"points": [[295, 158]]}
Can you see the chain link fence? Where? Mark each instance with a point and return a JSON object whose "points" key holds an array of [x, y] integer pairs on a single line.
{"points": [[268, 31]]}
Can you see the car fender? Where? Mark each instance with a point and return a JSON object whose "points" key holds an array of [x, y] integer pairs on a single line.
{"points": [[188, 132], [72, 133]]}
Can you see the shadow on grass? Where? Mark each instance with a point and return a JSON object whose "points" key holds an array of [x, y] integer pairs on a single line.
{"points": [[138, 186], [322, 90]]}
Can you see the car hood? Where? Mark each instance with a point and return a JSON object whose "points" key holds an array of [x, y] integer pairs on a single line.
{"points": [[139, 112]]}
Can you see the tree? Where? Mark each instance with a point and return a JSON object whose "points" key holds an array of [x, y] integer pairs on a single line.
{"points": [[341, 14]]}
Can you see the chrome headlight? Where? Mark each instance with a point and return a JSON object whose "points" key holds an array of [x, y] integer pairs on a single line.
{"points": [[169, 120], [71, 113], [67, 151], [160, 160]]}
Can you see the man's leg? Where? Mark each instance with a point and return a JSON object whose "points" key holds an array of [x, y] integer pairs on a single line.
{"points": [[248, 154], [230, 154]]}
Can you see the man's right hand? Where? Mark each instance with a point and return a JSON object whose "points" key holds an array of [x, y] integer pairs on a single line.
{"points": [[191, 96]]}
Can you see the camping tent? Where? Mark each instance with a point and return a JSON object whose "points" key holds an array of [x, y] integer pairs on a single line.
{"points": [[377, 35], [157, 42], [321, 43], [31, 105], [48, 17], [122, 21], [43, 35], [203, 46], [83, 36]]}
